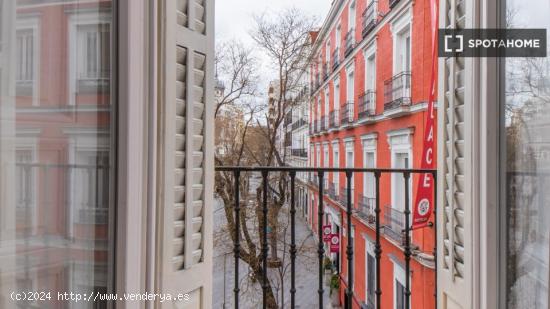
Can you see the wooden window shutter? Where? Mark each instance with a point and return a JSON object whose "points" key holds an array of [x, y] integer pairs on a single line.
{"points": [[186, 173]]}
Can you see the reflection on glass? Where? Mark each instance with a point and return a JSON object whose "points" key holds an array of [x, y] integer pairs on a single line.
{"points": [[527, 125], [56, 150]]}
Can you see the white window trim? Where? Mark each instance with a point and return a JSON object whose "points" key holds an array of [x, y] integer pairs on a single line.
{"points": [[400, 142], [369, 53], [369, 143], [352, 5], [397, 27], [399, 275], [27, 140], [75, 20], [33, 23], [350, 70]]}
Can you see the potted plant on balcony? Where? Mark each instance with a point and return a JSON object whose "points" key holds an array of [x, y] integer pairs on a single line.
{"points": [[327, 263], [371, 218], [334, 289]]}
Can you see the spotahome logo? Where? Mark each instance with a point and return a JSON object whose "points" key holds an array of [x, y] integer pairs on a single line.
{"points": [[492, 43]]}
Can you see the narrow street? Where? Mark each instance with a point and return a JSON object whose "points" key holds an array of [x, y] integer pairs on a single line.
{"points": [[306, 272]]}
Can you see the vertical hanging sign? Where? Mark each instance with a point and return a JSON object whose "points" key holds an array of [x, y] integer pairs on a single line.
{"points": [[424, 199]]}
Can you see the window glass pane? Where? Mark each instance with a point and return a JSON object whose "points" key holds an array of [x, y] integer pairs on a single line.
{"points": [[527, 161], [56, 150]]}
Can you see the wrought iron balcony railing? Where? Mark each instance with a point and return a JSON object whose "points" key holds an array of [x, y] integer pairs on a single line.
{"points": [[397, 91], [299, 152], [393, 3], [299, 123], [332, 192], [366, 208], [333, 121], [335, 58], [394, 224], [316, 126], [347, 114], [367, 104], [350, 41], [324, 123], [399, 219], [370, 17], [344, 195], [325, 71]]}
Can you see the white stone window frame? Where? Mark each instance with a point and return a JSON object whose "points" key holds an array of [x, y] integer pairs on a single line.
{"points": [[370, 53], [399, 26], [398, 275], [32, 22], [336, 93], [350, 148], [27, 140], [400, 142], [369, 143], [369, 250], [92, 140], [352, 16], [77, 19]]}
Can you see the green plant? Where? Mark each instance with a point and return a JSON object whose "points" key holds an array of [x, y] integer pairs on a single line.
{"points": [[334, 283], [327, 263]]}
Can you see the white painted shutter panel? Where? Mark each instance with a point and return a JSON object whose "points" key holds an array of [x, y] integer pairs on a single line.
{"points": [[187, 171], [455, 271]]}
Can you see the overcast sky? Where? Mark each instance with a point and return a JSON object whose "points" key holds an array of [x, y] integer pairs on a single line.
{"points": [[234, 19]]}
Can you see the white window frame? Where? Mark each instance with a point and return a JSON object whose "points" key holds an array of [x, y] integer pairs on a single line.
{"points": [[398, 275], [76, 20], [400, 26], [369, 143], [350, 148], [369, 250], [338, 36], [370, 58], [336, 94], [336, 164], [33, 24], [400, 142], [352, 16]]}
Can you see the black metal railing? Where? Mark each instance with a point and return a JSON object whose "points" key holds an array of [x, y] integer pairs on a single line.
{"points": [[366, 208], [323, 124], [367, 104], [350, 41], [335, 58], [332, 192], [349, 297], [397, 91], [347, 114], [370, 17], [393, 3], [299, 123], [316, 126], [333, 120], [299, 152], [344, 195], [325, 71], [394, 223]]}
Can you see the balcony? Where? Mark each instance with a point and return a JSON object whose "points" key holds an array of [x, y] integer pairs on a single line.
{"points": [[299, 123], [393, 3], [367, 105], [325, 71], [299, 152], [350, 42], [315, 126], [367, 206], [394, 224], [324, 124], [333, 119], [335, 59], [332, 192], [370, 18], [347, 114], [347, 283], [344, 196], [397, 95]]}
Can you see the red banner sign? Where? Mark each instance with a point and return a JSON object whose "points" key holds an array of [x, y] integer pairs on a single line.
{"points": [[327, 232], [334, 243], [424, 199]]}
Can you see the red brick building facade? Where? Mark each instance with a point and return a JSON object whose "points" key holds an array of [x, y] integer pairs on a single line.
{"points": [[370, 79]]}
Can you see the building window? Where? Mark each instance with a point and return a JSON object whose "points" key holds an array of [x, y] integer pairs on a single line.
{"points": [[94, 60], [351, 18], [402, 50], [25, 57], [370, 73]]}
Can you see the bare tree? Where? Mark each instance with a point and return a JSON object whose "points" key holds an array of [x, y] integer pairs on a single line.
{"points": [[284, 38]]}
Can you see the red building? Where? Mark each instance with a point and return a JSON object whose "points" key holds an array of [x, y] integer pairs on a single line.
{"points": [[370, 81]]}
